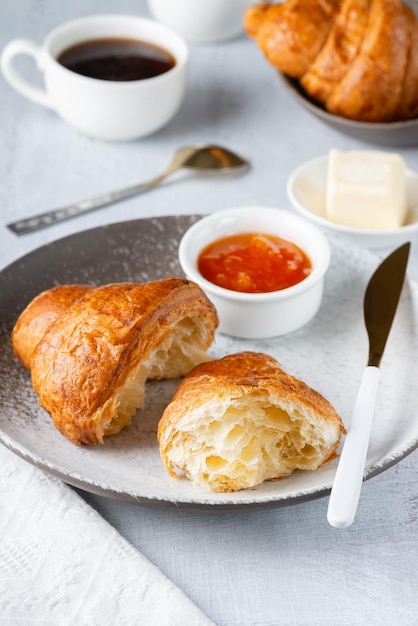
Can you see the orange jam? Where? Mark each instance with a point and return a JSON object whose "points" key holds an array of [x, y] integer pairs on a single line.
{"points": [[254, 263]]}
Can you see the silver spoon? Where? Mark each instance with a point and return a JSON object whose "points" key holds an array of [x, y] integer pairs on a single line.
{"points": [[200, 157]]}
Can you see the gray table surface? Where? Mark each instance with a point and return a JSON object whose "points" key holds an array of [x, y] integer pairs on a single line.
{"points": [[249, 568]]}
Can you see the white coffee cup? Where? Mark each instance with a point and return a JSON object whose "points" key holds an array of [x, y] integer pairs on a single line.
{"points": [[201, 21], [108, 110]]}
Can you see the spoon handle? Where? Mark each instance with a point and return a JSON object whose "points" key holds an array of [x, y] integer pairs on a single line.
{"points": [[346, 489], [31, 224]]}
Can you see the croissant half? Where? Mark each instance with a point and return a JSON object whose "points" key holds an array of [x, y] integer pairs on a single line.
{"points": [[359, 60], [41, 312], [240, 420], [91, 363]]}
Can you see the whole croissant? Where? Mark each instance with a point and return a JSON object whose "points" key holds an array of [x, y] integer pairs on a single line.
{"points": [[358, 58], [91, 350]]}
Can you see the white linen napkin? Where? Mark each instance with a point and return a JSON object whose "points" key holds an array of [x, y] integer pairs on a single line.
{"points": [[62, 563]]}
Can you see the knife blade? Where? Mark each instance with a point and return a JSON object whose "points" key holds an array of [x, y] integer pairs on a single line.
{"points": [[380, 304]]}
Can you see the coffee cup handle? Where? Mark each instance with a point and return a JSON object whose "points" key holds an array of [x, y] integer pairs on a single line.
{"points": [[15, 79]]}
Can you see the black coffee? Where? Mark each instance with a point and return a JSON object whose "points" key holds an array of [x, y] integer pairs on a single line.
{"points": [[117, 59]]}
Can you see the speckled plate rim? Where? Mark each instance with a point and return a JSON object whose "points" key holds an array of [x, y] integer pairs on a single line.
{"points": [[257, 499]]}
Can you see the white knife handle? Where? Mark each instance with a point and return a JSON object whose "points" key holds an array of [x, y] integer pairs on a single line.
{"points": [[346, 489]]}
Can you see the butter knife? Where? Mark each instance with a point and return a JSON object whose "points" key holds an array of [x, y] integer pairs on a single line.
{"points": [[380, 304]]}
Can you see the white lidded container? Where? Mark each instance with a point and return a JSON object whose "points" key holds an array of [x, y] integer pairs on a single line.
{"points": [[259, 315]]}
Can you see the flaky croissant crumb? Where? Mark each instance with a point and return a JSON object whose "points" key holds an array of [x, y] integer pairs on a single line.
{"points": [[240, 420]]}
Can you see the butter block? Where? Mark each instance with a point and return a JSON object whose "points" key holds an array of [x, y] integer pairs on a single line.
{"points": [[366, 189]]}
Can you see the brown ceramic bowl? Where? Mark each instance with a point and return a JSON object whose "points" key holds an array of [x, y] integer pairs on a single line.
{"points": [[385, 134]]}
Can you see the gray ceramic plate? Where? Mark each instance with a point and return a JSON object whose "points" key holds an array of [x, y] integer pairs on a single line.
{"points": [[329, 354], [388, 134]]}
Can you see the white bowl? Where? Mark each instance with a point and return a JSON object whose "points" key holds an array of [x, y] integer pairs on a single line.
{"points": [[306, 190], [259, 315], [201, 21]]}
